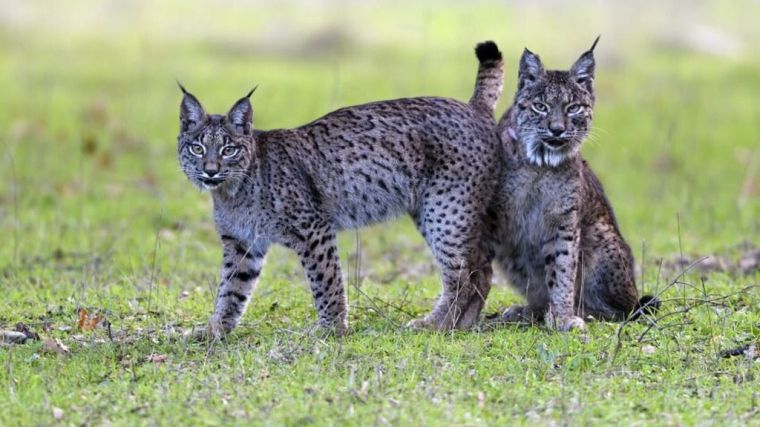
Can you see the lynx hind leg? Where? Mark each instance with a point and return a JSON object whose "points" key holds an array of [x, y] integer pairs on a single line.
{"points": [[481, 278], [241, 268], [448, 221], [609, 287], [319, 257]]}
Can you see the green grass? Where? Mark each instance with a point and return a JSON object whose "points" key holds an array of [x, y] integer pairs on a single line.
{"points": [[95, 213]]}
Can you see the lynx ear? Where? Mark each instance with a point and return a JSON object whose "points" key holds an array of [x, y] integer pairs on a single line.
{"points": [[191, 112], [583, 69], [240, 117], [531, 70]]}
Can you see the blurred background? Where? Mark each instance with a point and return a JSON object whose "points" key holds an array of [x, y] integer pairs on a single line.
{"points": [[89, 181]]}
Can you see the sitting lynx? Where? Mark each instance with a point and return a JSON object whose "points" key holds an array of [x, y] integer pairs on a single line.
{"points": [[434, 158], [558, 241]]}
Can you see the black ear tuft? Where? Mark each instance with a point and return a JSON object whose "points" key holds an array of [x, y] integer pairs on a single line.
{"points": [[240, 117], [531, 70], [251, 92], [487, 51], [191, 112], [595, 42], [583, 69], [182, 88]]}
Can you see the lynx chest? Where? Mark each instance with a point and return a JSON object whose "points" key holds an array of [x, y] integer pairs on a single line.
{"points": [[536, 198], [237, 217]]}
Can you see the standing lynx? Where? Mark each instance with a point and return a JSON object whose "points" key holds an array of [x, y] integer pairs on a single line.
{"points": [[558, 239], [433, 158]]}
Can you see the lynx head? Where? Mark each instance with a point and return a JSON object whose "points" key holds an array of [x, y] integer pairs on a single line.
{"points": [[215, 149], [552, 111]]}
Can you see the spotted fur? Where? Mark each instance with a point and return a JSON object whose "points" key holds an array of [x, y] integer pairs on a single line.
{"points": [[435, 159], [558, 241]]}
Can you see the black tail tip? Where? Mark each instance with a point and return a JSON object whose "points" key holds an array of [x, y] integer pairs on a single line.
{"points": [[648, 304], [487, 51]]}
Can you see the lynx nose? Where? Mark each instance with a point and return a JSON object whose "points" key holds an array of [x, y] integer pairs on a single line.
{"points": [[211, 169], [557, 130]]}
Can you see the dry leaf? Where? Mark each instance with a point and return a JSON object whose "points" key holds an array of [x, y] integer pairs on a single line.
{"points": [[89, 145], [87, 322], [54, 345], [12, 337], [750, 262], [82, 318], [157, 358], [105, 160], [57, 413], [750, 351], [96, 113], [648, 349], [24, 329]]}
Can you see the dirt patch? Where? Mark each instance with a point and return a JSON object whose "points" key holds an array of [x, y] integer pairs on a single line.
{"points": [[740, 260]]}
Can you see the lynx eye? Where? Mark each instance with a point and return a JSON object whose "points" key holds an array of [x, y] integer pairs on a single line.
{"points": [[197, 149], [539, 107], [573, 108], [229, 151]]}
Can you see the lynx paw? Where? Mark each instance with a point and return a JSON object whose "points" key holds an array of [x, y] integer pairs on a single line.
{"points": [[431, 322], [518, 314], [201, 334], [213, 331], [565, 323], [421, 324], [337, 328], [515, 314]]}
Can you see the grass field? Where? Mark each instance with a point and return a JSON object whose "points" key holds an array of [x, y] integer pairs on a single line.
{"points": [[95, 214]]}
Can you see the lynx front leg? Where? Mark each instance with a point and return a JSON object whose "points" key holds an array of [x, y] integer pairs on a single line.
{"points": [[561, 255], [240, 270], [319, 257]]}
